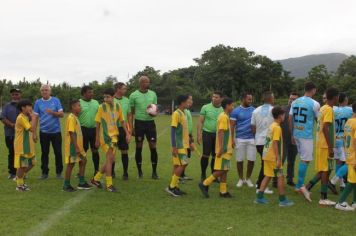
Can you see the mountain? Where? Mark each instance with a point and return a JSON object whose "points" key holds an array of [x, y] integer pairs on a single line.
{"points": [[300, 66]]}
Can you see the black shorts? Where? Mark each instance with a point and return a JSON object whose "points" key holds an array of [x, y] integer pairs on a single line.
{"points": [[122, 144], [89, 136], [209, 144], [145, 129]]}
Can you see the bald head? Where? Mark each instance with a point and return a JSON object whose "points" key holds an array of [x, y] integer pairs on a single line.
{"points": [[144, 83]]}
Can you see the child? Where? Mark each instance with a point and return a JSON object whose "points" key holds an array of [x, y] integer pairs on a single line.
{"points": [[74, 151], [350, 152], [107, 117], [272, 158], [24, 146], [180, 144], [224, 148]]}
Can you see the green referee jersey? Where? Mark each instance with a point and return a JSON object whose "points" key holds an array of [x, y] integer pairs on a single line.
{"points": [[210, 114], [140, 102], [88, 112], [190, 120], [125, 106]]}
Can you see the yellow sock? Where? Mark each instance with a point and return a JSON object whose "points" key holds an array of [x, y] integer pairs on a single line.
{"points": [[174, 181], [98, 176], [223, 188], [108, 181], [209, 180], [19, 181]]}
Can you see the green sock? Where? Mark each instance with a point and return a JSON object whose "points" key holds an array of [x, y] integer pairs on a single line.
{"points": [[66, 183], [259, 195], [324, 191], [346, 192], [282, 198], [354, 198], [314, 180], [81, 180]]}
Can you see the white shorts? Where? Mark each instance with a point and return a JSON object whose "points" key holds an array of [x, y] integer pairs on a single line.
{"points": [[305, 148], [245, 148], [339, 154]]}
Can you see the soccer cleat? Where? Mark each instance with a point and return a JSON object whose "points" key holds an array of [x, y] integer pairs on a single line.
{"points": [[332, 188], [268, 191], [12, 177], [84, 186], [344, 207], [225, 195], [173, 191], [43, 177], [180, 191], [305, 193], [96, 183], [261, 201], [204, 189], [68, 189], [240, 183], [286, 203], [111, 189], [249, 183], [125, 176], [326, 202], [155, 176]]}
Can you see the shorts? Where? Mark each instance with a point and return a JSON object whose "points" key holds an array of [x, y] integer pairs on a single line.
{"points": [[223, 162], [106, 147], [351, 174], [339, 154], [322, 159], [24, 162], [181, 159], [122, 144], [145, 129], [245, 148], [209, 140], [73, 159], [269, 167], [89, 136], [305, 148]]}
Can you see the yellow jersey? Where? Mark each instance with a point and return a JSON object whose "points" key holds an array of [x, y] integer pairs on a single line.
{"points": [[350, 136], [73, 126], [326, 115], [274, 133], [179, 121], [23, 143], [223, 123]]}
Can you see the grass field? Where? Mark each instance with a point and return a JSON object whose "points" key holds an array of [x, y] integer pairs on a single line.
{"points": [[142, 207]]}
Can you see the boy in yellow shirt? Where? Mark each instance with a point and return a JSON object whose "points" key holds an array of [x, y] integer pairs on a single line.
{"points": [[107, 118], [272, 158], [23, 144], [73, 148], [224, 150]]}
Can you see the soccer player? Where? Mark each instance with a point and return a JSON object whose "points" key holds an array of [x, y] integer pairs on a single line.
{"points": [[260, 122], [109, 114], [350, 152], [73, 148], [206, 131], [224, 148], [144, 125], [342, 113], [120, 92], [302, 117], [24, 144], [180, 144], [325, 144], [240, 120], [272, 158]]}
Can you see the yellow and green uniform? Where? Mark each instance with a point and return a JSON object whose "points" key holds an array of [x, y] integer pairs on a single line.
{"points": [[326, 115], [274, 133], [350, 152], [140, 101], [210, 114], [223, 162], [180, 123], [109, 115], [125, 106], [24, 146], [88, 112], [73, 126]]}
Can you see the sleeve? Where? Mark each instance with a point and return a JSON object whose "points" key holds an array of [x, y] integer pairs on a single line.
{"points": [[59, 105], [132, 100], [328, 117], [71, 124], [36, 109], [203, 111], [98, 115], [121, 114], [223, 124], [175, 119], [24, 123], [253, 118], [4, 113], [233, 115], [316, 108], [277, 133]]}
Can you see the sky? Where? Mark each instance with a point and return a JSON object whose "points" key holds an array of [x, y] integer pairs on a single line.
{"points": [[78, 41]]}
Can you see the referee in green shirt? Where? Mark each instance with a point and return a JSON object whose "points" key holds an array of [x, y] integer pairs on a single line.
{"points": [[144, 125]]}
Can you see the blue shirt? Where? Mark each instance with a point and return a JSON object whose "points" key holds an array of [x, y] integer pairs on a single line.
{"points": [[341, 114], [242, 116], [10, 112], [304, 111], [48, 123]]}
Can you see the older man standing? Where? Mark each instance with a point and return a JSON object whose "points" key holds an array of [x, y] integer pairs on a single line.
{"points": [[8, 117], [48, 110]]}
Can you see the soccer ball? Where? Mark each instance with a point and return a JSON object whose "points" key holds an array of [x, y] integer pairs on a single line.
{"points": [[152, 110]]}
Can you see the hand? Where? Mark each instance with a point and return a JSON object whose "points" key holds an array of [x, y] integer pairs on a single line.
{"points": [[34, 137], [293, 140], [174, 151], [128, 137], [199, 139], [331, 152], [97, 143], [192, 147], [49, 111], [279, 164]]}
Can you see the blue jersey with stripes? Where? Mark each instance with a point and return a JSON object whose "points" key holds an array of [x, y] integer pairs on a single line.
{"points": [[341, 114], [304, 111]]}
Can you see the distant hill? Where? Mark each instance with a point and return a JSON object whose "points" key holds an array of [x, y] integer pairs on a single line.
{"points": [[300, 66]]}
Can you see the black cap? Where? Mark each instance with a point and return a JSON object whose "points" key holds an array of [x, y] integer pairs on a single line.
{"points": [[15, 90]]}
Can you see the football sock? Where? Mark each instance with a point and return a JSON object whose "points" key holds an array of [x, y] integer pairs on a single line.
{"points": [[342, 171], [313, 181], [108, 181], [303, 167], [138, 158], [125, 162], [354, 197], [209, 180], [204, 162], [98, 176], [154, 159], [282, 198], [174, 181], [212, 163], [81, 180], [223, 188], [260, 194], [346, 192], [19, 181], [66, 183], [324, 191]]}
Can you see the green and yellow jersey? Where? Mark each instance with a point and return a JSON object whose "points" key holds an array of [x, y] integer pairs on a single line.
{"points": [[140, 101], [326, 115], [210, 114], [350, 136], [73, 126], [179, 121], [23, 143], [223, 123], [274, 133]]}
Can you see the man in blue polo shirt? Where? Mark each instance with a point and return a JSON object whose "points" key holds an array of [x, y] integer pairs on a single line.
{"points": [[48, 110], [8, 117]]}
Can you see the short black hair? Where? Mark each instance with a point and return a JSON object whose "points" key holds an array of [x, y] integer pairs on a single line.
{"points": [[331, 93], [182, 98], [244, 95], [72, 102], [267, 95], [309, 86], [118, 85], [23, 103], [226, 101], [342, 97], [354, 107], [85, 89], [277, 111], [294, 94], [218, 93], [109, 91]]}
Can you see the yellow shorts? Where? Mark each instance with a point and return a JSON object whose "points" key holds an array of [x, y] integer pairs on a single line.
{"points": [[24, 161], [106, 147], [181, 159], [269, 168], [73, 159], [223, 162], [322, 159], [351, 174]]}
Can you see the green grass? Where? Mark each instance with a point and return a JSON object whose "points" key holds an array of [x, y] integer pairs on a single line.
{"points": [[143, 208]]}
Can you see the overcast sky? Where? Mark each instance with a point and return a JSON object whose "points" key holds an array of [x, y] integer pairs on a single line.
{"points": [[83, 40]]}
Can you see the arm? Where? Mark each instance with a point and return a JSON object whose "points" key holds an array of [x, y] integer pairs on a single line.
{"points": [[173, 141], [220, 138], [232, 130], [73, 140], [276, 153], [58, 114], [34, 127], [290, 126], [8, 123], [253, 123], [199, 129], [131, 118], [253, 128], [97, 137], [326, 128]]}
